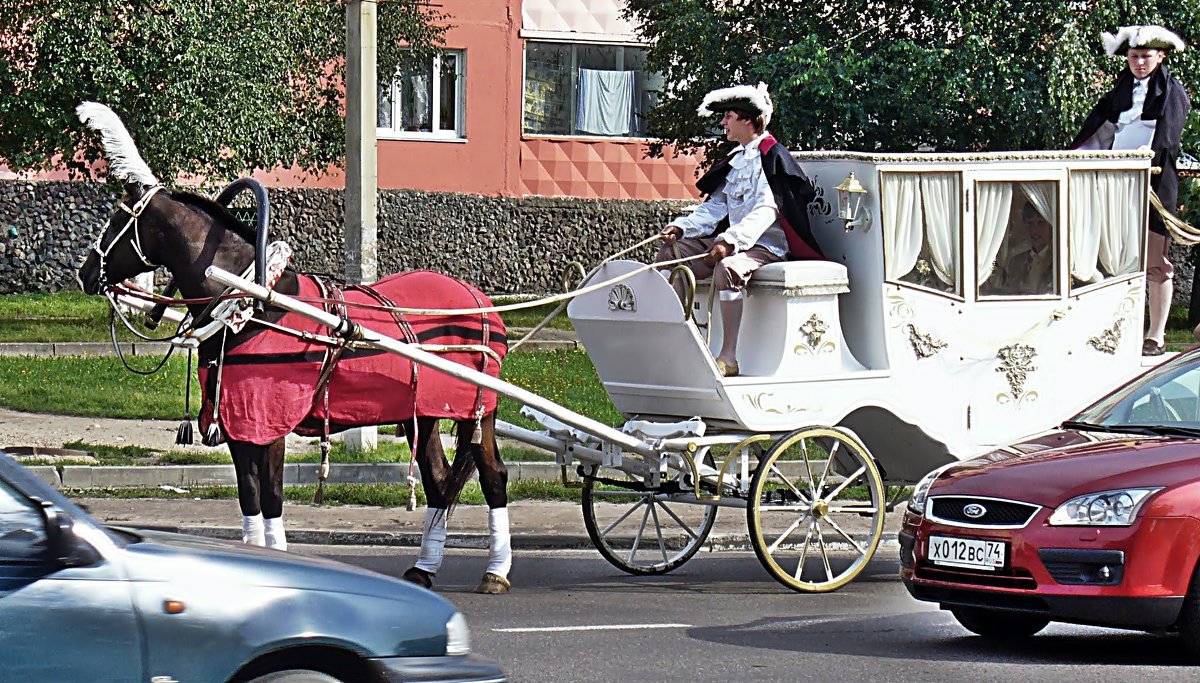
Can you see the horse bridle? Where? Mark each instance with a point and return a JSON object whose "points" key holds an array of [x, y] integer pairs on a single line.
{"points": [[131, 223]]}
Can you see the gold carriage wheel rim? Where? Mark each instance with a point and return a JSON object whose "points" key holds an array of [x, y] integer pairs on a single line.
{"points": [[877, 528]]}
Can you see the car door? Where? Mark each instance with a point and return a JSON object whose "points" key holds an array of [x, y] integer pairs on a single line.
{"points": [[59, 623]]}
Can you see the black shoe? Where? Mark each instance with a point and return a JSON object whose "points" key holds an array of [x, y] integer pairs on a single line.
{"points": [[1152, 348]]}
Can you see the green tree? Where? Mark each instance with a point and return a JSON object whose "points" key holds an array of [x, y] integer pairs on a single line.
{"points": [[957, 75], [205, 87]]}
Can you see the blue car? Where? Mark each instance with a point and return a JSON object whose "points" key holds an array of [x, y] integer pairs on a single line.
{"points": [[84, 602]]}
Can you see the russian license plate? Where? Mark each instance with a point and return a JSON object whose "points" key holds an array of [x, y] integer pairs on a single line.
{"points": [[967, 552]]}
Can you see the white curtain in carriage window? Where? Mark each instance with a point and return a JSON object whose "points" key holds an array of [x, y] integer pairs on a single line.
{"points": [[991, 224], [1105, 225], [939, 198], [1041, 195], [902, 223]]}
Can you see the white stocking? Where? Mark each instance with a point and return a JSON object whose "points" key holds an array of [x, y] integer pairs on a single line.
{"points": [[1161, 294], [731, 325], [433, 541], [276, 538], [252, 530], [499, 543]]}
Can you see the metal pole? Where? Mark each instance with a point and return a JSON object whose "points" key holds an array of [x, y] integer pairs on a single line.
{"points": [[370, 337], [362, 165]]}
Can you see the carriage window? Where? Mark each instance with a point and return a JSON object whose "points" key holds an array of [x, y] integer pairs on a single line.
{"points": [[1016, 238], [922, 222], [426, 101], [1106, 225]]}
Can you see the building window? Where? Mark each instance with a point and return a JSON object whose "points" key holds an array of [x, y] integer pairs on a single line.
{"points": [[587, 89], [426, 101]]}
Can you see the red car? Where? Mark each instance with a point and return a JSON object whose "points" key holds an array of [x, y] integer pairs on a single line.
{"points": [[1097, 522]]}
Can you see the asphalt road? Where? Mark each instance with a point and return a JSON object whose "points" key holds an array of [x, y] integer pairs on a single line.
{"points": [[573, 618]]}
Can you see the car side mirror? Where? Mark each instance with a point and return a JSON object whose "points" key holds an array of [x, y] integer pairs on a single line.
{"points": [[62, 545]]}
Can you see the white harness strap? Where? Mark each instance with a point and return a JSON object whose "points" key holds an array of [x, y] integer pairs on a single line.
{"points": [[130, 224]]}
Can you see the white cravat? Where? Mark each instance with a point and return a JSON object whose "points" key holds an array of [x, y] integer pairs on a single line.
{"points": [[1132, 131]]}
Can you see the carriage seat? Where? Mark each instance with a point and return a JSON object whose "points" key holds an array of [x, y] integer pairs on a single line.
{"points": [[799, 278], [793, 314]]}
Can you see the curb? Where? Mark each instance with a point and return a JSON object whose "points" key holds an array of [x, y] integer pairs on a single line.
{"points": [[294, 474], [565, 541]]}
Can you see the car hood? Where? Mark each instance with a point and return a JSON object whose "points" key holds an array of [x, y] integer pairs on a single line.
{"points": [[162, 556], [1053, 467]]}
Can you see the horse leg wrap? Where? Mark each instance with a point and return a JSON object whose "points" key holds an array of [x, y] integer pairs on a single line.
{"points": [[276, 538], [433, 541], [499, 543], [252, 530]]}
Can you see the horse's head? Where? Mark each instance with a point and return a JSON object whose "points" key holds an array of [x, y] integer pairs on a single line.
{"points": [[119, 252]]}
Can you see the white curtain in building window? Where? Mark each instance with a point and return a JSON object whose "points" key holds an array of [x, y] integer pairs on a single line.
{"points": [[991, 224], [605, 104]]}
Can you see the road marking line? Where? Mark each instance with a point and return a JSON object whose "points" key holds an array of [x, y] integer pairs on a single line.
{"points": [[596, 627]]}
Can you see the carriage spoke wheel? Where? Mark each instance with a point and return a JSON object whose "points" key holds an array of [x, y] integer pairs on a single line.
{"points": [[646, 532], [815, 509]]}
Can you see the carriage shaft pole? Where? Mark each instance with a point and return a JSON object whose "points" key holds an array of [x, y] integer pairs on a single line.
{"points": [[373, 338]]}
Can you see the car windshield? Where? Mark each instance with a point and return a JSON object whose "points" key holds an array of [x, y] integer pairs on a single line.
{"points": [[1164, 401]]}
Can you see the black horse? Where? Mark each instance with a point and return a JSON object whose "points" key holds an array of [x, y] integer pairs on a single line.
{"points": [[251, 374]]}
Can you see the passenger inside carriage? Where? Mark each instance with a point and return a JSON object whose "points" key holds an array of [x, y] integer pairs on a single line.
{"points": [[1029, 269]]}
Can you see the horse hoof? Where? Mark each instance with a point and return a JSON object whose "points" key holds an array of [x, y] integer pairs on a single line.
{"points": [[419, 576], [493, 584]]}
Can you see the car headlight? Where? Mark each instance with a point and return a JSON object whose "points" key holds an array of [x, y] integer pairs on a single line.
{"points": [[1106, 508], [916, 503], [458, 636]]}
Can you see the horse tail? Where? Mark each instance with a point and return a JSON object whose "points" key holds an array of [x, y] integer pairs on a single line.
{"points": [[124, 160]]}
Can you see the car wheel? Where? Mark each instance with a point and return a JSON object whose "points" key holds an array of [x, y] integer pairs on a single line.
{"points": [[1189, 617], [999, 625], [296, 676]]}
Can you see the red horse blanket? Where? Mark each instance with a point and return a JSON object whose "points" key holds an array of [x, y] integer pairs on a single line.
{"points": [[268, 382]]}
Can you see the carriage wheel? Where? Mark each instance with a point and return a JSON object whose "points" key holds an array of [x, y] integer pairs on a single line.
{"points": [[646, 532], [815, 511]]}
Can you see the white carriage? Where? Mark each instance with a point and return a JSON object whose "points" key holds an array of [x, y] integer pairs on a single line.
{"points": [[928, 337]]}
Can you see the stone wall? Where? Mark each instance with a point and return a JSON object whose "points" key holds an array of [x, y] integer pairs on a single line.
{"points": [[503, 245], [500, 244]]}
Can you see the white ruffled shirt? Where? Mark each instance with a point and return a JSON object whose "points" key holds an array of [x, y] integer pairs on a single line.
{"points": [[747, 200], [1132, 132]]}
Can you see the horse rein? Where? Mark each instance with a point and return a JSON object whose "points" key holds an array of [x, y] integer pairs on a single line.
{"points": [[131, 223]]}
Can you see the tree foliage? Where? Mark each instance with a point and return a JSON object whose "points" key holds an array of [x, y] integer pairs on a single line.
{"points": [[211, 88], [869, 75]]}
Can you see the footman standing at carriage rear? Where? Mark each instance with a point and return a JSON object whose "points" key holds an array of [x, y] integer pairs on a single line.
{"points": [[755, 212], [1145, 109]]}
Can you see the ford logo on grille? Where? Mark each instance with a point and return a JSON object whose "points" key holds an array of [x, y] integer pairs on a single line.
{"points": [[974, 510]]}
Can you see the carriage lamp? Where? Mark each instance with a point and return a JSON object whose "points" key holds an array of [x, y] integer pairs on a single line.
{"points": [[850, 208]]}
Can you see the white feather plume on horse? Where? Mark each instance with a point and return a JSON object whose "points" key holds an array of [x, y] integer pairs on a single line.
{"points": [[124, 161]]}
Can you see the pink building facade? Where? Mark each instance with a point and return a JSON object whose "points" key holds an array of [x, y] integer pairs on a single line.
{"points": [[531, 98]]}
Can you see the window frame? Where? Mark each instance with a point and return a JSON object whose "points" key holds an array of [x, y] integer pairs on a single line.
{"points": [[574, 95], [1059, 241], [459, 132]]}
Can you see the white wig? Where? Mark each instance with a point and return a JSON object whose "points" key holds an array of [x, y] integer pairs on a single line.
{"points": [[745, 97], [1150, 37], [124, 162]]}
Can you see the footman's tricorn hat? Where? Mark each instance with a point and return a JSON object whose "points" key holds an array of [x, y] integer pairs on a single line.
{"points": [[746, 99], [1146, 37]]}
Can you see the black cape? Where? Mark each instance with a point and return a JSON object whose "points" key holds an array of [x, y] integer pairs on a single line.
{"points": [[1167, 103], [792, 189]]}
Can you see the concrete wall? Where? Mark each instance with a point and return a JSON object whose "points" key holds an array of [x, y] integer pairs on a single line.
{"points": [[500, 244]]}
